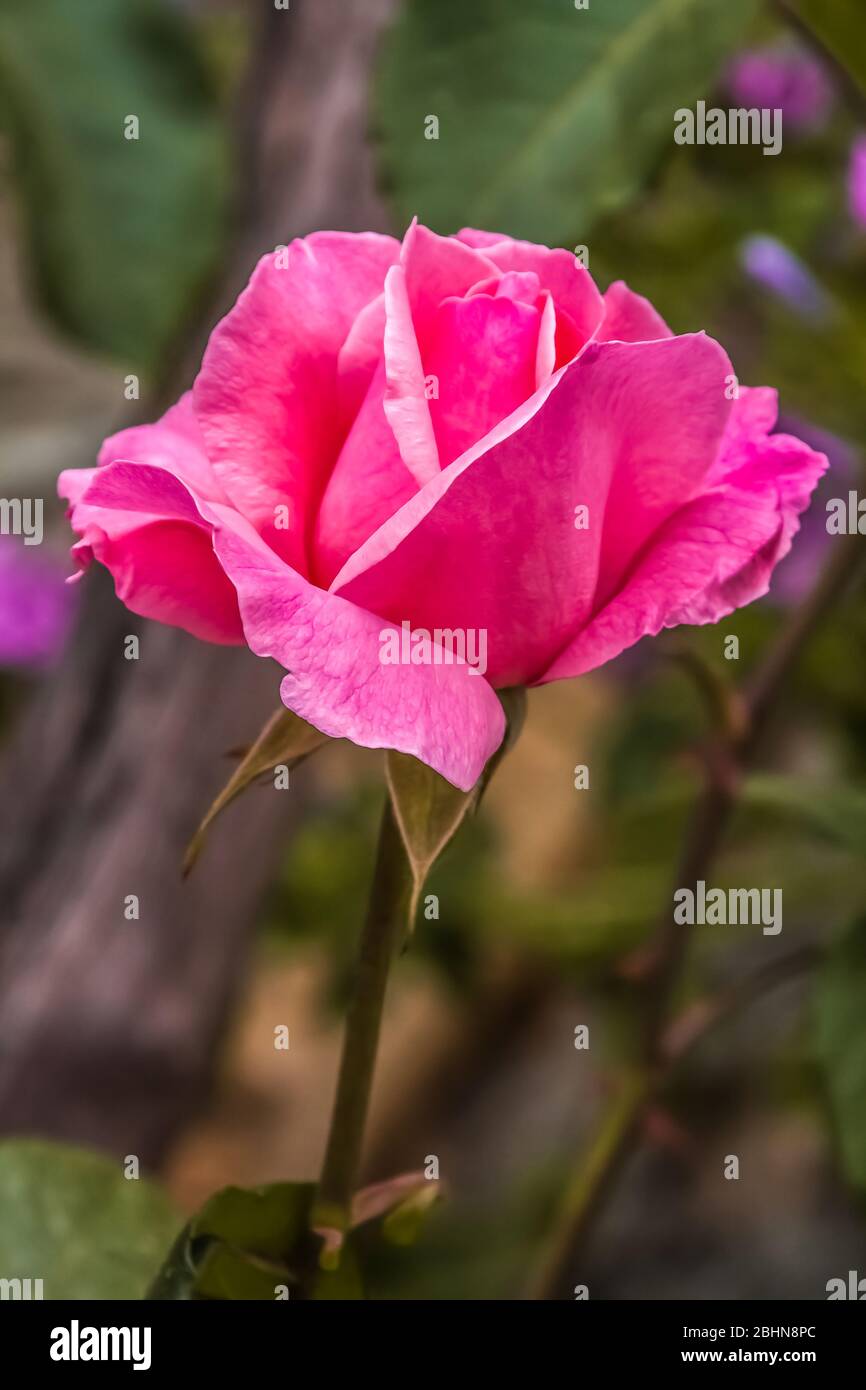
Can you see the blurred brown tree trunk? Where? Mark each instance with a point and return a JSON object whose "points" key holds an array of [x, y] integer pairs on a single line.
{"points": [[109, 1027]]}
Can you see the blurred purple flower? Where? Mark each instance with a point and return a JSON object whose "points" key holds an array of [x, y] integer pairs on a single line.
{"points": [[776, 268], [36, 606], [796, 574], [857, 181], [783, 77]]}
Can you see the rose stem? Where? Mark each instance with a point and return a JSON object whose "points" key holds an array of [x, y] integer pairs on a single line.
{"points": [[383, 930], [596, 1172]]}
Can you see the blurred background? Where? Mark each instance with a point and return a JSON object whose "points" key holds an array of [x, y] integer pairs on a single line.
{"points": [[154, 1040]]}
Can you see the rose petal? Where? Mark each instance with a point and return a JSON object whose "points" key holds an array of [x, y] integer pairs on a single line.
{"points": [[167, 571], [369, 483], [147, 527], [406, 405], [668, 413], [753, 414], [471, 236], [266, 396], [444, 715], [626, 430], [546, 355], [358, 361], [174, 442], [712, 556], [437, 267], [482, 352], [629, 318], [558, 271]]}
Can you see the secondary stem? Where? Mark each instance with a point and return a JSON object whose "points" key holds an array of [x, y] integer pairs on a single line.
{"points": [[383, 929], [588, 1185], [620, 1127]]}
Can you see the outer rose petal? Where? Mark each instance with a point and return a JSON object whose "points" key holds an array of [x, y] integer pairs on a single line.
{"points": [[73, 483], [714, 555], [127, 495], [668, 414], [142, 523], [174, 442], [471, 236], [444, 715], [267, 396], [492, 543], [629, 318], [753, 414], [168, 572]]}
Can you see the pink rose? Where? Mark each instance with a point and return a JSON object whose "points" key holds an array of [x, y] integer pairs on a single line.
{"points": [[460, 434]]}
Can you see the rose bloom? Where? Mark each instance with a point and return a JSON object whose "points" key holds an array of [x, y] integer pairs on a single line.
{"points": [[457, 433]]}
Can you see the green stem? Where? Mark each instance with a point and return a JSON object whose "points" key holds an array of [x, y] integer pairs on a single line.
{"points": [[588, 1185], [382, 934], [596, 1171]]}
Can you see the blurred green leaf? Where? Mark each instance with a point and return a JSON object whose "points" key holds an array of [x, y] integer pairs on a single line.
{"points": [[71, 1218], [122, 233], [246, 1244], [266, 1221], [605, 915], [839, 25], [836, 814], [840, 1030], [833, 813], [285, 739], [232, 1275], [547, 115], [236, 1246]]}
